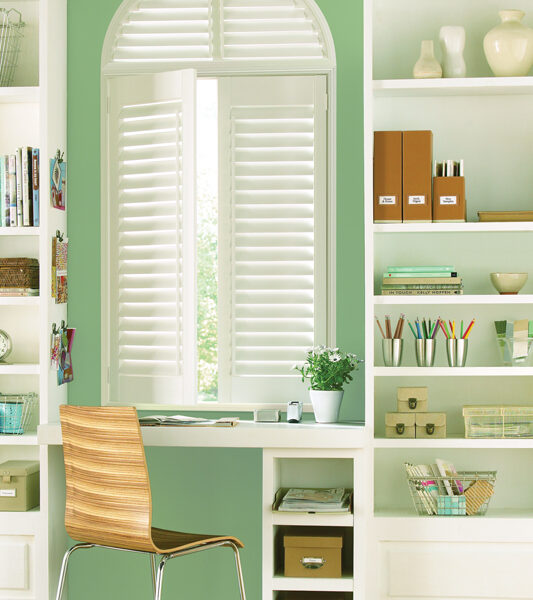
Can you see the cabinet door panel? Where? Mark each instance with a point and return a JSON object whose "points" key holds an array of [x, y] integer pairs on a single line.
{"points": [[14, 561]]}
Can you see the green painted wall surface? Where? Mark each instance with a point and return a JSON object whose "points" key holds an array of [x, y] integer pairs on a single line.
{"points": [[215, 491]]}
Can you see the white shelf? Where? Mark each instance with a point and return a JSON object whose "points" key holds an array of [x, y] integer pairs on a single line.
{"points": [[457, 299], [20, 523], [453, 372], [315, 520], [19, 95], [26, 439], [454, 442], [20, 369], [18, 231], [20, 300], [313, 584], [468, 86], [474, 227]]}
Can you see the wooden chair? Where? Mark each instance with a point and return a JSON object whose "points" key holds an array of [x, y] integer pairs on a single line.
{"points": [[109, 503]]}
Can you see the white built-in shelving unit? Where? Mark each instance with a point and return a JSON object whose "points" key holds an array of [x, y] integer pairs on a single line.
{"points": [[33, 113], [488, 122]]}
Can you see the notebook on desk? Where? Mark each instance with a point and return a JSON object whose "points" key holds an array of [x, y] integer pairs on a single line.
{"points": [[186, 421]]}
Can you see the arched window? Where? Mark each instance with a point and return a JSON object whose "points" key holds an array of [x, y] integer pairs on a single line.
{"points": [[218, 196]]}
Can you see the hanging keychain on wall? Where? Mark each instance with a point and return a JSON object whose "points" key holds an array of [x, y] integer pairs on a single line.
{"points": [[58, 181], [61, 352], [59, 268]]}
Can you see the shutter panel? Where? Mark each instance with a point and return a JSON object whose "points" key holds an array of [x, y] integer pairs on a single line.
{"points": [[277, 253], [151, 238], [270, 29], [165, 31]]}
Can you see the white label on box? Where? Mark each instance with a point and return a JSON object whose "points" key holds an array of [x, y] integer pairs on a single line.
{"points": [[8, 493], [448, 199], [387, 200], [416, 200]]}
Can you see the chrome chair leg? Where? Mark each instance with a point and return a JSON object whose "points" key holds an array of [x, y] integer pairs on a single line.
{"points": [[152, 564], [239, 570], [64, 566], [159, 578]]}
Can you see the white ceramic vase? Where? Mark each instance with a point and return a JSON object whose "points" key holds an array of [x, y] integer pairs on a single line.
{"points": [[509, 46], [427, 66], [452, 43], [326, 405]]}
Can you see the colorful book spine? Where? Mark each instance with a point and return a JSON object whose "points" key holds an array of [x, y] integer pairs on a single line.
{"points": [[27, 200], [420, 274], [35, 185], [18, 179], [2, 194], [12, 181], [421, 292], [420, 269], [422, 280], [7, 196]]}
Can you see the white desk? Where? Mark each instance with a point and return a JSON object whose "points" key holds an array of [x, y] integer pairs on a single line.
{"points": [[294, 455], [246, 434]]}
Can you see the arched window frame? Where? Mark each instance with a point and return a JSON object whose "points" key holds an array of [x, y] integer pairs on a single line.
{"points": [[218, 66]]}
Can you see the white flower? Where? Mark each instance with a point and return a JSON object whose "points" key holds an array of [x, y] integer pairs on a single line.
{"points": [[335, 357]]}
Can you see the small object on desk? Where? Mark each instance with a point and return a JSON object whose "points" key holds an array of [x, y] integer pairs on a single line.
{"points": [[412, 399], [186, 421], [508, 283], [430, 425], [267, 415], [294, 411], [400, 425]]}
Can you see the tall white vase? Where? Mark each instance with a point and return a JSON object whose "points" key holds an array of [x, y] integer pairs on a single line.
{"points": [[427, 66], [326, 405], [452, 42], [509, 46]]}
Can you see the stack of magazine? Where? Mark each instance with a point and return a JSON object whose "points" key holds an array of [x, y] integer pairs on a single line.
{"points": [[439, 280], [316, 500]]}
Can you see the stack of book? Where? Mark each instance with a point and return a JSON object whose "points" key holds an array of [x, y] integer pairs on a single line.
{"points": [[19, 188], [421, 281], [315, 500]]}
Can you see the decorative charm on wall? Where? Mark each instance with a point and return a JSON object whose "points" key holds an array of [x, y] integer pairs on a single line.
{"points": [[58, 181], [61, 352], [59, 268]]}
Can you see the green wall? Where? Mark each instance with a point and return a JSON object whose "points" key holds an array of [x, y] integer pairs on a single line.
{"points": [[215, 491]]}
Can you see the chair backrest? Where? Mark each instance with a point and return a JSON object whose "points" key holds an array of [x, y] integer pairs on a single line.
{"points": [[108, 488]]}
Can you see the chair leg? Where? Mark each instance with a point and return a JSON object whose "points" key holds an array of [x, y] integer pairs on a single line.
{"points": [[239, 570], [64, 566], [159, 578], [152, 565]]}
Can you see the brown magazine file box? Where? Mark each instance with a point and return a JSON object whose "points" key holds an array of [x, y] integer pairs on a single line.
{"points": [[388, 176], [417, 161], [449, 203]]}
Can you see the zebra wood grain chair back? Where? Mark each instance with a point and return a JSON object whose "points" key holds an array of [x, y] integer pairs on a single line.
{"points": [[108, 488]]}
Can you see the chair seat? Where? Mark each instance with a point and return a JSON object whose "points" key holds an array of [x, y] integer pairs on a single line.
{"points": [[173, 541]]}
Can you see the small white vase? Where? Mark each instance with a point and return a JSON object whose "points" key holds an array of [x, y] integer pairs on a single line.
{"points": [[326, 405], [452, 43], [509, 46], [427, 66]]}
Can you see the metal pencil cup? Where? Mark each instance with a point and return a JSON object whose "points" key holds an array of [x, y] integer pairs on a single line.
{"points": [[425, 352], [456, 350], [392, 352]]}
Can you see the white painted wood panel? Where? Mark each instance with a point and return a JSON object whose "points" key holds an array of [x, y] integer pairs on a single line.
{"points": [[15, 564]]}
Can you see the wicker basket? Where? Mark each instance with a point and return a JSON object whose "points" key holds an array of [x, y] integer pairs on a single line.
{"points": [[19, 273]]}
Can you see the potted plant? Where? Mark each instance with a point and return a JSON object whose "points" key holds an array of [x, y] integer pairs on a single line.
{"points": [[327, 369]]}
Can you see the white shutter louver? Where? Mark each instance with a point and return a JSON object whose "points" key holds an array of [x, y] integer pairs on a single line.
{"points": [[152, 208], [270, 29], [276, 189], [165, 31]]}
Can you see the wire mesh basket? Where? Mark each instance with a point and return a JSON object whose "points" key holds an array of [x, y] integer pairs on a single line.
{"points": [[16, 412], [11, 25], [467, 494]]}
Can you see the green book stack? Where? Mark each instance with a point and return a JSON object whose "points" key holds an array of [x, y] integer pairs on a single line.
{"points": [[421, 281]]}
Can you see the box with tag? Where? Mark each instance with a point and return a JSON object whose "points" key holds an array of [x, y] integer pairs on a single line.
{"points": [[312, 556], [400, 425], [412, 399], [449, 204], [19, 485], [430, 425]]}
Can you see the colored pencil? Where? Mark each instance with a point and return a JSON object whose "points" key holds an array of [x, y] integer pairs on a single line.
{"points": [[418, 329], [387, 327], [435, 328], [442, 325], [411, 328], [469, 329], [461, 328], [380, 328]]}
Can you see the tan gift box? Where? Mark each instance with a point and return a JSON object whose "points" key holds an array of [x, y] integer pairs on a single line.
{"points": [[400, 425], [312, 556], [430, 425], [412, 399], [19, 485]]}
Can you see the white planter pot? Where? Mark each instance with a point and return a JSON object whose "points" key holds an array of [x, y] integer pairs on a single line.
{"points": [[326, 405]]}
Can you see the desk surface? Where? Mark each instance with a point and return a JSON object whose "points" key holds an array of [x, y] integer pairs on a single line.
{"points": [[246, 434]]}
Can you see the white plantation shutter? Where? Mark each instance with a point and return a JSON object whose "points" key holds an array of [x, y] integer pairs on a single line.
{"points": [[273, 218], [270, 29], [151, 238], [165, 31]]}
